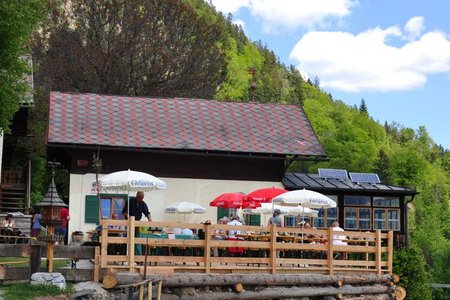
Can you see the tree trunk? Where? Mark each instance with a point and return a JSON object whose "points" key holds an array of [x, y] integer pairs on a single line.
{"points": [[180, 280], [114, 280], [376, 292]]}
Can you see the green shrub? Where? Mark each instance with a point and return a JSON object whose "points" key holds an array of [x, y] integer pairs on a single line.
{"points": [[409, 264]]}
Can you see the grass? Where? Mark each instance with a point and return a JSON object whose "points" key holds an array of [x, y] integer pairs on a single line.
{"points": [[27, 291], [25, 261]]}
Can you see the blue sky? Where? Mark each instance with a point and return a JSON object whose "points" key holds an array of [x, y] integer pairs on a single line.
{"points": [[393, 53]]}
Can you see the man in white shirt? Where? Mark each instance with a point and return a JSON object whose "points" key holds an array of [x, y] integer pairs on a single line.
{"points": [[338, 239], [234, 221]]}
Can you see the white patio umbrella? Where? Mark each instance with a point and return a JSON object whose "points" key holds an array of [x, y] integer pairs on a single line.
{"points": [[129, 181], [306, 198], [302, 211], [266, 209], [185, 208]]}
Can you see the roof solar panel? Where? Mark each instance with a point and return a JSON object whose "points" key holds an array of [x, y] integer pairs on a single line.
{"points": [[333, 173], [364, 177]]}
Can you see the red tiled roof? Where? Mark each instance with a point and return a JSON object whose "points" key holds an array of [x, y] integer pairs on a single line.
{"points": [[174, 123]]}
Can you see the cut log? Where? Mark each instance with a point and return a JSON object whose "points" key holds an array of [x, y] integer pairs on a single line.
{"points": [[112, 280], [238, 287], [180, 280], [379, 292], [395, 278], [400, 293]]}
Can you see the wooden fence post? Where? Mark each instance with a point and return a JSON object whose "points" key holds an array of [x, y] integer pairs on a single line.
{"points": [[104, 243], [378, 251], [131, 233], [96, 265], [35, 259], [390, 251], [330, 253], [273, 249], [207, 248]]}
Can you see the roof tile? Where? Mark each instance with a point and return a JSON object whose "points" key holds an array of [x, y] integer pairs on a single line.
{"points": [[174, 123]]}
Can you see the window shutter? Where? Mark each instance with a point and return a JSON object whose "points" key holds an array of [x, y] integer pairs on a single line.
{"points": [[222, 212], [91, 210], [255, 220]]}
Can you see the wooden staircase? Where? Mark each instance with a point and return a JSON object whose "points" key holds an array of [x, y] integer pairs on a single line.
{"points": [[12, 197]]}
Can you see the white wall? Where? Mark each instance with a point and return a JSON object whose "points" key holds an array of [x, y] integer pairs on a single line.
{"points": [[200, 191]]}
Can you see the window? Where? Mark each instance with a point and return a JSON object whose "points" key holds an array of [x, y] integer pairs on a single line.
{"points": [[386, 201], [109, 204], [326, 217], [357, 200], [295, 221], [386, 219], [379, 219], [357, 218]]}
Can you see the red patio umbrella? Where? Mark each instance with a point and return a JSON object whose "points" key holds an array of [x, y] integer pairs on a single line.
{"points": [[251, 204], [228, 200], [264, 195], [233, 200]]}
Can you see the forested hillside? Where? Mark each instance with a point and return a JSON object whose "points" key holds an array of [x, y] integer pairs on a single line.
{"points": [[186, 49]]}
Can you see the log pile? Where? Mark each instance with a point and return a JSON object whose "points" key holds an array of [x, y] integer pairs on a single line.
{"points": [[281, 286]]}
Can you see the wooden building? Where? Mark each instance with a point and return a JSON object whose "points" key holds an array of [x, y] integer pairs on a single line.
{"points": [[200, 148], [203, 148]]}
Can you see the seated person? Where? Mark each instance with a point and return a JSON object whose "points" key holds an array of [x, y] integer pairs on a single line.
{"points": [[9, 221], [338, 239], [235, 222], [187, 231]]}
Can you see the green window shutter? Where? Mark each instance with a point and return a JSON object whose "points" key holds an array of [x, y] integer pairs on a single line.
{"points": [[222, 212], [91, 210], [255, 220]]}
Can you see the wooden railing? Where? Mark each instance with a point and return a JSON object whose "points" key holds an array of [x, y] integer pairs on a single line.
{"points": [[256, 249]]}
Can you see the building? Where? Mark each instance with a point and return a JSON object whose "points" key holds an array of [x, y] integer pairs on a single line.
{"points": [[200, 148]]}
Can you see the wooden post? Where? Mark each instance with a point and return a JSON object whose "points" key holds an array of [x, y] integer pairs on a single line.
{"points": [[96, 265], [207, 248], [330, 253], [104, 244], [390, 251], [378, 251], [131, 233], [50, 248], [141, 292], [35, 259], [149, 289], [273, 250]]}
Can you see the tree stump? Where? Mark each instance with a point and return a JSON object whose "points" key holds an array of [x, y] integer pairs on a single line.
{"points": [[112, 280]]}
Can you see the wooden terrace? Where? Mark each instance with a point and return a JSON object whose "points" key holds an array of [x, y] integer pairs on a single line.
{"points": [[254, 249]]}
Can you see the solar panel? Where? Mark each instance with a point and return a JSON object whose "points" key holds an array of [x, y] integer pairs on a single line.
{"points": [[333, 173], [364, 177]]}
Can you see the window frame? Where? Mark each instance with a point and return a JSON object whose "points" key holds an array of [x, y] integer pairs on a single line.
{"points": [[92, 208]]}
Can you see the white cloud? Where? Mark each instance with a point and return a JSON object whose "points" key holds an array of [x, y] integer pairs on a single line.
{"points": [[276, 14], [230, 6], [240, 22], [367, 62], [414, 28]]}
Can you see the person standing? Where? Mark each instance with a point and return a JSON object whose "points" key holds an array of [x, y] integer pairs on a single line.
{"points": [[36, 224], [61, 230], [276, 219], [137, 208]]}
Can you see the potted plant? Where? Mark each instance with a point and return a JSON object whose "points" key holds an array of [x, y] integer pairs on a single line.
{"points": [[77, 236]]}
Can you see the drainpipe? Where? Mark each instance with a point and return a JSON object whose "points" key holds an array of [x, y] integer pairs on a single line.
{"points": [[405, 209]]}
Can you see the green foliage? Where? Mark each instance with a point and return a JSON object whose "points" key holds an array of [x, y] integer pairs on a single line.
{"points": [[17, 22], [236, 87], [410, 266], [27, 291]]}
